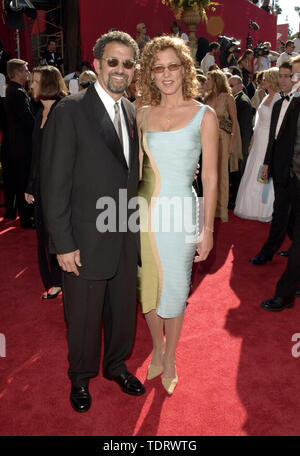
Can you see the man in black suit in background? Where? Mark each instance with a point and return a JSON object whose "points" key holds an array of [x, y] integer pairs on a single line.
{"points": [[290, 192], [50, 56], [244, 116], [90, 160], [276, 165], [16, 144]]}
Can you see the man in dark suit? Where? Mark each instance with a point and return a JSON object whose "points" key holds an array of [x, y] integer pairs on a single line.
{"points": [[251, 87], [89, 172], [50, 56], [16, 145], [244, 115], [290, 177], [277, 166]]}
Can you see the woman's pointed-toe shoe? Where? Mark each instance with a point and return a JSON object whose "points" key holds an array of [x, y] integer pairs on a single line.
{"points": [[154, 371], [169, 383]]}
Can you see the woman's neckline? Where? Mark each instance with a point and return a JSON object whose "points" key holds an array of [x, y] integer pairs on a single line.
{"points": [[178, 129]]}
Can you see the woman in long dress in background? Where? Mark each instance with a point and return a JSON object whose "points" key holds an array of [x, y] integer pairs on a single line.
{"points": [[219, 97], [255, 199]]}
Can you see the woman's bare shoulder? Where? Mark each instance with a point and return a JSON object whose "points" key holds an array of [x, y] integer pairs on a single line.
{"points": [[139, 112]]}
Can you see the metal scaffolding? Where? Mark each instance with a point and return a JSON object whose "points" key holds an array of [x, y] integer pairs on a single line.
{"points": [[54, 28]]}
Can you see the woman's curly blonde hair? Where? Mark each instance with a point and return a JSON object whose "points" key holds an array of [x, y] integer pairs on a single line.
{"points": [[150, 94]]}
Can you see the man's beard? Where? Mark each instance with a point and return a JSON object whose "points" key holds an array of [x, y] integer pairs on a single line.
{"points": [[116, 87]]}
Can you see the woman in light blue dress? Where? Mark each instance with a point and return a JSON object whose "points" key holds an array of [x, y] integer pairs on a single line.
{"points": [[173, 128]]}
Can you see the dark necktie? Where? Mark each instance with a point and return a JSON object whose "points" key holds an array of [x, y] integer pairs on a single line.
{"points": [[117, 122]]}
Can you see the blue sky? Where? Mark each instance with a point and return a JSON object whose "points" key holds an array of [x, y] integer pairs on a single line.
{"points": [[289, 11]]}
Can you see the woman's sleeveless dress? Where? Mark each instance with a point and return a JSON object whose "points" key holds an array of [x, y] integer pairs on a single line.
{"points": [[168, 216]]}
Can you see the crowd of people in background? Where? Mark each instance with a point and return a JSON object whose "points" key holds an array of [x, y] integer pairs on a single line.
{"points": [[240, 90]]}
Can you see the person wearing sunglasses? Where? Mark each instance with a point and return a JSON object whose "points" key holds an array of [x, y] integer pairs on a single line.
{"points": [[173, 128], [90, 155]]}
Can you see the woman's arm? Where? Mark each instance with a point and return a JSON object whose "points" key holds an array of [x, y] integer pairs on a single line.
{"points": [[233, 116], [210, 143], [138, 121]]}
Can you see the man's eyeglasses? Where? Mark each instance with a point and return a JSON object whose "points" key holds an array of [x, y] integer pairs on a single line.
{"points": [[171, 67], [114, 62]]}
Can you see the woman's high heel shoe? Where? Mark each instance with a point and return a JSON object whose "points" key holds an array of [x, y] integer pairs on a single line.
{"points": [[51, 295], [169, 383], [154, 371]]}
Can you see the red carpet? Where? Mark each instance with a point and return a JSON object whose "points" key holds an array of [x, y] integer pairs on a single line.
{"points": [[237, 375]]}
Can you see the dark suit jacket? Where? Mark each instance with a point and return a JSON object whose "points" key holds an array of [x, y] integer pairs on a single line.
{"points": [[244, 115], [52, 58], [19, 121], [82, 160], [33, 186], [251, 90], [279, 152]]}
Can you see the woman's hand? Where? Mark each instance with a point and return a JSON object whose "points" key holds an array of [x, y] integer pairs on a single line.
{"points": [[29, 198], [231, 148], [204, 247], [264, 172]]}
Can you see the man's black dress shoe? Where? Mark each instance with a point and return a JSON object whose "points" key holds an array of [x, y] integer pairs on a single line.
{"points": [[128, 382], [284, 253], [80, 399], [297, 294], [260, 259], [277, 303]]}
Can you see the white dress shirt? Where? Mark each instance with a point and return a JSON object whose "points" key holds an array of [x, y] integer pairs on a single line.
{"points": [[297, 45], [206, 62], [284, 57], [183, 36], [73, 86], [264, 64], [284, 108], [109, 103]]}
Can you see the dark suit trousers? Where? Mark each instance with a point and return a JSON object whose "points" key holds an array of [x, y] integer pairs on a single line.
{"points": [[280, 220], [50, 271], [290, 279], [8, 187], [17, 173], [86, 303]]}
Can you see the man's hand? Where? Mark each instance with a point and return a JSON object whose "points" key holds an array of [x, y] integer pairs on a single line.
{"points": [[264, 172], [29, 198], [69, 261]]}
